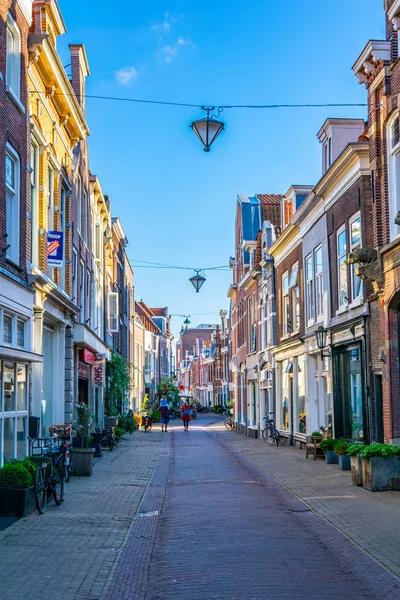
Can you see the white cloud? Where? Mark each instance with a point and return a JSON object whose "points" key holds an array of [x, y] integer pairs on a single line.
{"points": [[171, 51], [126, 76]]}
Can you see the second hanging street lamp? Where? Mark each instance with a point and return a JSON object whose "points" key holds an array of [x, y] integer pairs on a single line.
{"points": [[208, 128]]}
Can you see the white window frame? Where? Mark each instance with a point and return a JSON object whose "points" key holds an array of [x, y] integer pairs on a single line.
{"points": [[393, 152], [35, 202], [309, 281], [112, 312], [342, 303], [13, 205], [355, 246], [295, 293], [79, 205], [319, 286], [13, 58], [285, 304]]}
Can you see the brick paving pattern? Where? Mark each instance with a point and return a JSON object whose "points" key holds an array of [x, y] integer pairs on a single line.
{"points": [[369, 520], [69, 552], [230, 518]]}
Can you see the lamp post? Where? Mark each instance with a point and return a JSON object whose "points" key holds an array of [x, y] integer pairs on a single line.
{"points": [[321, 335], [208, 128]]}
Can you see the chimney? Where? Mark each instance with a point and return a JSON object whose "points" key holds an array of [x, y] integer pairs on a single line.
{"points": [[80, 70]]}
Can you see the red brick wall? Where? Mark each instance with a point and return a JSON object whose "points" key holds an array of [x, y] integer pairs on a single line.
{"points": [[14, 129]]}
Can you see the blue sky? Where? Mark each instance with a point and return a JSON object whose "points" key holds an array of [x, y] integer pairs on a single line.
{"points": [[176, 202]]}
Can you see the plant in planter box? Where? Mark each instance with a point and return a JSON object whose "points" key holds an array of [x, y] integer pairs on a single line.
{"points": [[340, 447], [83, 425], [326, 445], [353, 451], [82, 451], [380, 467], [17, 497]]}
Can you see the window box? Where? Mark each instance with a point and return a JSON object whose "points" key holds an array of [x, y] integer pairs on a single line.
{"points": [[15, 502]]}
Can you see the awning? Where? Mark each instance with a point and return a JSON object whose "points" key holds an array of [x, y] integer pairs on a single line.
{"points": [[7, 353]]}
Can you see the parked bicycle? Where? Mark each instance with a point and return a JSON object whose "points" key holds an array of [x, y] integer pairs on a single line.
{"points": [[63, 434], [270, 434], [49, 475], [108, 438], [229, 422]]}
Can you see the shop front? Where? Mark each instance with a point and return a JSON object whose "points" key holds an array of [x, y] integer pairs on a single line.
{"points": [[291, 398], [16, 358], [351, 414]]}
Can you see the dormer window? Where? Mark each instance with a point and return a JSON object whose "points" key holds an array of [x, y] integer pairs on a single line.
{"points": [[328, 154]]}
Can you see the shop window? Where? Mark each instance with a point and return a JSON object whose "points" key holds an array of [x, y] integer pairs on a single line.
{"points": [[285, 396], [21, 438], [342, 267], [22, 396], [7, 329], [9, 439], [355, 243], [301, 400]]}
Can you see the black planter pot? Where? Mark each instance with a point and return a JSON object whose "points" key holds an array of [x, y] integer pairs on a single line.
{"points": [[16, 502]]}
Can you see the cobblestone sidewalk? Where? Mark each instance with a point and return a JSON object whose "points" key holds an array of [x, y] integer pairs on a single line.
{"points": [[69, 552], [370, 520]]}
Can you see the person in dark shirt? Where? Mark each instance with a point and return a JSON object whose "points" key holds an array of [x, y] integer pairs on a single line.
{"points": [[164, 415]]}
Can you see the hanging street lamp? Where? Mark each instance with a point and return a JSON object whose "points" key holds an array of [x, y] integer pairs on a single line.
{"points": [[197, 280], [208, 128], [186, 321]]}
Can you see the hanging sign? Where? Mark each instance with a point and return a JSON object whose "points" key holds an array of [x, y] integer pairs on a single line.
{"points": [[99, 371], [55, 248]]}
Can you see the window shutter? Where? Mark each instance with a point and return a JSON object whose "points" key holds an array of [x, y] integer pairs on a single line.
{"points": [[113, 317]]}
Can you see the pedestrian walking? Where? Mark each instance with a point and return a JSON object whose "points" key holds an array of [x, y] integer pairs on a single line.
{"points": [[164, 415], [185, 409]]}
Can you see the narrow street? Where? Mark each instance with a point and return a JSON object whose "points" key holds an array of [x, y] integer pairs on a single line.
{"points": [[198, 515]]}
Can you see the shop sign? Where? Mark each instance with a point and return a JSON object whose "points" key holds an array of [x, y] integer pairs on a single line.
{"points": [[99, 371], [55, 247], [87, 357], [83, 370]]}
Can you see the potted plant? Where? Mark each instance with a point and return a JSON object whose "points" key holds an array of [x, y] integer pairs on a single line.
{"points": [[82, 451], [340, 447], [17, 496], [380, 467], [353, 451], [331, 458], [317, 435]]}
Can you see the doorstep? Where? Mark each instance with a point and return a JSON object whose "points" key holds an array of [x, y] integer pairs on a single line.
{"points": [[252, 432]]}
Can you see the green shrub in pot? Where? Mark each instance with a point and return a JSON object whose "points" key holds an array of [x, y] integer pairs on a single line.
{"points": [[15, 475], [379, 450], [327, 444], [340, 447], [354, 449]]}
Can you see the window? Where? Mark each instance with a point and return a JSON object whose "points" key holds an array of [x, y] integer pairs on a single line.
{"points": [[309, 288], [249, 325], [75, 276], [295, 291], [7, 329], [97, 241], [286, 325], [393, 136], [355, 242], [112, 312], [13, 66], [342, 267], [79, 205], [12, 204], [254, 323], [20, 333], [61, 220], [85, 217], [35, 202], [319, 293], [82, 292], [50, 202]]}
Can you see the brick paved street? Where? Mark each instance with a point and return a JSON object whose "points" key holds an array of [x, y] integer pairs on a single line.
{"points": [[162, 519]]}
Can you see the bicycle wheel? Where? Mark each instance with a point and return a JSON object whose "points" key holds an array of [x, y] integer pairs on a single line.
{"points": [[277, 438], [40, 489], [58, 484], [66, 473], [268, 436], [228, 423]]}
